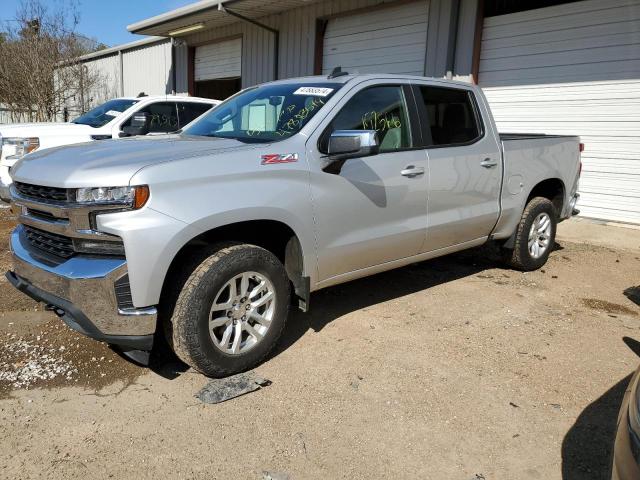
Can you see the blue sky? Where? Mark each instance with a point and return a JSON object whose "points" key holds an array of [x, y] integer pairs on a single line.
{"points": [[105, 20]]}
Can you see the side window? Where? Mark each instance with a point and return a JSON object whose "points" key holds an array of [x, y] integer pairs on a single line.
{"points": [[164, 117], [451, 114], [189, 111], [383, 109]]}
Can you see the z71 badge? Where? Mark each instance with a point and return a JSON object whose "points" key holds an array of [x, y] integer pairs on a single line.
{"points": [[273, 158]]}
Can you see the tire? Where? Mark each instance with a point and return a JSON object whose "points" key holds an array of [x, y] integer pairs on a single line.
{"points": [[225, 268], [521, 257]]}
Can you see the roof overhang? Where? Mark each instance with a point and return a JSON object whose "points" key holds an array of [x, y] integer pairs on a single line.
{"points": [[208, 14], [124, 47]]}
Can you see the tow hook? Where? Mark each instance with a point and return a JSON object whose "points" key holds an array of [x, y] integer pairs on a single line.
{"points": [[57, 310]]}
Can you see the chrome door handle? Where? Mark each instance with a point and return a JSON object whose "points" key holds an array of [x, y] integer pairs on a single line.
{"points": [[412, 171], [489, 163]]}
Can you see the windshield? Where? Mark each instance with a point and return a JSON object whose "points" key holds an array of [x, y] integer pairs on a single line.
{"points": [[104, 113], [265, 114]]}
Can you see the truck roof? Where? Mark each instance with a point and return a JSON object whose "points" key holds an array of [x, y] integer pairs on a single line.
{"points": [[347, 77], [170, 97]]}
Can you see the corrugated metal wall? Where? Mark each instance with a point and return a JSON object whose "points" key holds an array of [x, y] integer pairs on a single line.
{"points": [[257, 48], [108, 70], [145, 69], [297, 39], [574, 69], [182, 68], [148, 69], [389, 40]]}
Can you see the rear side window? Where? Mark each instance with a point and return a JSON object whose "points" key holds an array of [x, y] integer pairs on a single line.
{"points": [[452, 116], [164, 117], [189, 111]]}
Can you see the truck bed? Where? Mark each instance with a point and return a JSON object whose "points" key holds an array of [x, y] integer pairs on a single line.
{"points": [[528, 159], [529, 136]]}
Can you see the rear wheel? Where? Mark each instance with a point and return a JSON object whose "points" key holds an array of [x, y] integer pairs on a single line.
{"points": [[535, 236], [231, 310]]}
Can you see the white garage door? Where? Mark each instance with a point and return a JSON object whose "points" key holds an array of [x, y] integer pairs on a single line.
{"points": [[386, 40], [574, 69], [218, 60]]}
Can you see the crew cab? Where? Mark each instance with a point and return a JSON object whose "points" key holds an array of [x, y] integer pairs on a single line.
{"points": [[113, 119], [209, 236]]}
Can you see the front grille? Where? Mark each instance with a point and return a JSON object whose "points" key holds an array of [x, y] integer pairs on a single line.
{"points": [[58, 245], [42, 215], [41, 193], [123, 293]]}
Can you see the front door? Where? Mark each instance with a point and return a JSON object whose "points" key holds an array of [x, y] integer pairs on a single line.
{"points": [[374, 209], [464, 164]]}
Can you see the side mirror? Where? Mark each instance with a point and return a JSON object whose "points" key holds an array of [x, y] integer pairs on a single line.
{"points": [[140, 125], [353, 143], [346, 144]]}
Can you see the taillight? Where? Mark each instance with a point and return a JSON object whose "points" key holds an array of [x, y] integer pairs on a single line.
{"points": [[580, 167]]}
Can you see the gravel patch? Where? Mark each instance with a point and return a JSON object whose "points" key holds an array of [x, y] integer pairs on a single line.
{"points": [[52, 356], [25, 363]]}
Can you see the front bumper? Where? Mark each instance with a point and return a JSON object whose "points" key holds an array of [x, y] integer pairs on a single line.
{"points": [[626, 451], [81, 291]]}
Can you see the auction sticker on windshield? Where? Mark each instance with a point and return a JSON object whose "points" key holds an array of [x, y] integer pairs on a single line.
{"points": [[112, 113], [316, 91]]}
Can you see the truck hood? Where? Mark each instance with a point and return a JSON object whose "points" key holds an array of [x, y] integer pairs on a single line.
{"points": [[45, 130], [112, 163]]}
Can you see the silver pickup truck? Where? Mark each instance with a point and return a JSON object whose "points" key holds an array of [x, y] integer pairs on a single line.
{"points": [[209, 236]]}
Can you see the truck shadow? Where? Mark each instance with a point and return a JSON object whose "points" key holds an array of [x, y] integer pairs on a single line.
{"points": [[633, 294], [587, 448], [331, 303]]}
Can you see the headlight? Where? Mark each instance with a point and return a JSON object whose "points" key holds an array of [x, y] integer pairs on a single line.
{"points": [[133, 197], [17, 147]]}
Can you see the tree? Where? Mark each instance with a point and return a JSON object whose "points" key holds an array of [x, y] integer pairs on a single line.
{"points": [[40, 72]]}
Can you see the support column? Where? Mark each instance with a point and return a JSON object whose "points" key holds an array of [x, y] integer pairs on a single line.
{"points": [[451, 37]]}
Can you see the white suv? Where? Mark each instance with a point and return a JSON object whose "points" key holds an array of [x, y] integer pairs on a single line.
{"points": [[113, 119]]}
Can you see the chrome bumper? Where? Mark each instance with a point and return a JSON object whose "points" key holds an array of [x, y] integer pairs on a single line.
{"points": [[572, 204], [81, 289]]}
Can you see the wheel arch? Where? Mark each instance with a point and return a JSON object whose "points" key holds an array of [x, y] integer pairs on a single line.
{"points": [[276, 236], [551, 188]]}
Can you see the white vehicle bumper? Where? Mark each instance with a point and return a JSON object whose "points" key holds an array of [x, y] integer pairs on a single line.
{"points": [[4, 190], [5, 180]]}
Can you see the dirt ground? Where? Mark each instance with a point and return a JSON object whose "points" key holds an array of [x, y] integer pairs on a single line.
{"points": [[456, 368]]}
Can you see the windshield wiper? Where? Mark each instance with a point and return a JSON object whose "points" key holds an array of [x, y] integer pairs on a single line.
{"points": [[242, 139]]}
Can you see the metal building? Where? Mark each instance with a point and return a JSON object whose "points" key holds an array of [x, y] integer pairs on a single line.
{"points": [[547, 66], [132, 68]]}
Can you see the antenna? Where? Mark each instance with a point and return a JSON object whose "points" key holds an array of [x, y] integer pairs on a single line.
{"points": [[142, 94], [337, 72]]}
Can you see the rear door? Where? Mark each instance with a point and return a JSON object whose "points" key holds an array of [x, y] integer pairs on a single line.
{"points": [[464, 164], [374, 209]]}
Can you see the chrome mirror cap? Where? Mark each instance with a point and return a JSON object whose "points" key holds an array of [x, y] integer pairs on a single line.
{"points": [[353, 143]]}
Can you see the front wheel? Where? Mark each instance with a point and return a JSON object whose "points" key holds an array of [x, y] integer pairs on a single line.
{"points": [[535, 236], [231, 310]]}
